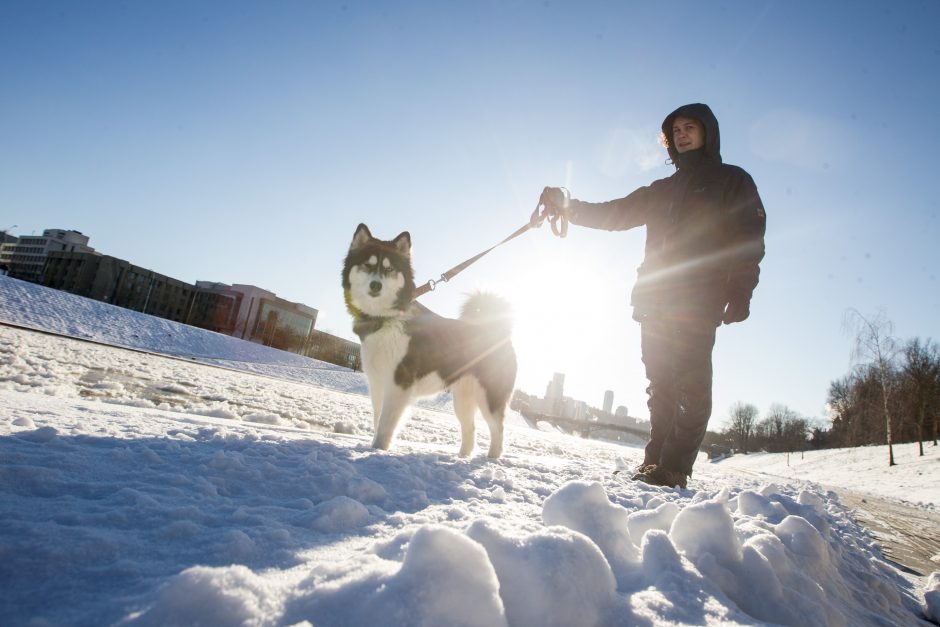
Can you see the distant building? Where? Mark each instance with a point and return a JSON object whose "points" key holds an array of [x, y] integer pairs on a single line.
{"points": [[254, 314], [335, 350], [118, 282], [554, 393], [7, 244], [574, 409], [27, 259], [62, 259], [571, 414], [215, 307], [622, 418]]}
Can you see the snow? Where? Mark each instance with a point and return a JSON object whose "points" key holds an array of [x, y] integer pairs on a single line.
{"points": [[932, 597], [862, 469], [142, 489]]}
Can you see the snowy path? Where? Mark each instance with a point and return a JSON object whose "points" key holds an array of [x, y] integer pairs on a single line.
{"points": [[907, 535]]}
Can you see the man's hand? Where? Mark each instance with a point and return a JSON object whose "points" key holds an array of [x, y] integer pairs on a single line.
{"points": [[555, 200]]}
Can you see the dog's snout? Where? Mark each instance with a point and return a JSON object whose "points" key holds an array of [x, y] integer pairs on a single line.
{"points": [[375, 286]]}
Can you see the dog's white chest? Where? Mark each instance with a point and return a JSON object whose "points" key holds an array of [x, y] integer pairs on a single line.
{"points": [[384, 349]]}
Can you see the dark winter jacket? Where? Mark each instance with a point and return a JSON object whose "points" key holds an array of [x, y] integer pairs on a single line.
{"points": [[704, 229]]}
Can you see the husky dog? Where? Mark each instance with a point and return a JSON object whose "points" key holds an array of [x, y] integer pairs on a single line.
{"points": [[409, 352]]}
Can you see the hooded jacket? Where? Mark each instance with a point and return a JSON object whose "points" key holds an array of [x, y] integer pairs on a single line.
{"points": [[704, 229]]}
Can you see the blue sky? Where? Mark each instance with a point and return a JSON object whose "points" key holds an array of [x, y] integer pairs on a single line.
{"points": [[243, 142]]}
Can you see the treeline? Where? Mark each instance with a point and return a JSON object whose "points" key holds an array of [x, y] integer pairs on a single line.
{"points": [[892, 397], [903, 396], [780, 430]]}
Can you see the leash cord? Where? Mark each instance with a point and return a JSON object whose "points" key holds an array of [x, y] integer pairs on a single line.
{"points": [[558, 222]]}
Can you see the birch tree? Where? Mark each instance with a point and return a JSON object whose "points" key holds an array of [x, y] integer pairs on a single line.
{"points": [[874, 343]]}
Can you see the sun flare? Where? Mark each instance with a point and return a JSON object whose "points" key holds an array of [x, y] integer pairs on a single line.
{"points": [[569, 317]]}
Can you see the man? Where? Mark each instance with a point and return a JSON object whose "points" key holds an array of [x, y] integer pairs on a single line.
{"points": [[704, 241]]}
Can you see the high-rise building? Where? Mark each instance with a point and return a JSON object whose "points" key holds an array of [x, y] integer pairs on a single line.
{"points": [[554, 394], [608, 401], [556, 387]]}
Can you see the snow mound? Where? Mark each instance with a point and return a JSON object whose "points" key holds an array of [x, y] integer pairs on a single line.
{"points": [[932, 597]]}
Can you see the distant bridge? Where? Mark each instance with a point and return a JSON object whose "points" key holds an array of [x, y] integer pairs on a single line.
{"points": [[582, 427]]}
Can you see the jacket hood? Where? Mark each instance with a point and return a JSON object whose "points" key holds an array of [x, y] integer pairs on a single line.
{"points": [[700, 112]]}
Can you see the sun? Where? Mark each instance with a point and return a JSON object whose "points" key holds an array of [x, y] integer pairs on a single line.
{"points": [[569, 313]]}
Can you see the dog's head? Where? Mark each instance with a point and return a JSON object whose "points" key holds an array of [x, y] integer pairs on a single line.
{"points": [[378, 279]]}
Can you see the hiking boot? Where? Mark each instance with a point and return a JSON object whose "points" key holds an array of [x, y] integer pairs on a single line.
{"points": [[656, 475], [642, 472]]}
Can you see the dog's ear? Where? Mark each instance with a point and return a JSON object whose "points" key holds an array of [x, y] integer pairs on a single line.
{"points": [[361, 237], [403, 243]]}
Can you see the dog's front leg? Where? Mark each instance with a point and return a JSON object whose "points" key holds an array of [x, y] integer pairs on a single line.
{"points": [[376, 392], [393, 406]]}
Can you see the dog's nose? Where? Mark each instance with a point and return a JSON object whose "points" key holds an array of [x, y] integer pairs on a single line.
{"points": [[375, 287]]}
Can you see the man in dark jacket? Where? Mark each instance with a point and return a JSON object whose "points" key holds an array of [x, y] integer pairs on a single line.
{"points": [[704, 241]]}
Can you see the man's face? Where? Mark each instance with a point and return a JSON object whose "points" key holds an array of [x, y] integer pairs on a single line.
{"points": [[687, 134]]}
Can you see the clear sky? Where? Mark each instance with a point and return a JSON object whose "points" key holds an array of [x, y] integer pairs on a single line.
{"points": [[243, 142]]}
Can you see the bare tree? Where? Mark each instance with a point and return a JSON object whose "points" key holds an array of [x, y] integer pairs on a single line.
{"points": [[922, 368], [782, 429], [788, 430], [796, 433], [743, 416], [874, 342], [777, 416], [840, 404]]}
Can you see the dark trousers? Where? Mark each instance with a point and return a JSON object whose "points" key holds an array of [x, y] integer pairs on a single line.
{"points": [[677, 354]]}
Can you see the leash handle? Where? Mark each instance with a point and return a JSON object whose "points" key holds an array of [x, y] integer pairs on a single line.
{"points": [[558, 221], [562, 230]]}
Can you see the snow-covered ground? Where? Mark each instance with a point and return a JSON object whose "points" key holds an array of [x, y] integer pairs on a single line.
{"points": [[912, 481], [142, 489]]}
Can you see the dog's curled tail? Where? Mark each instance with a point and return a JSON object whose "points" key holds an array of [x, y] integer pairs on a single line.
{"points": [[486, 308]]}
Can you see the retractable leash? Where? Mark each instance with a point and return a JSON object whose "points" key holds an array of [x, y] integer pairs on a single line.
{"points": [[558, 222]]}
